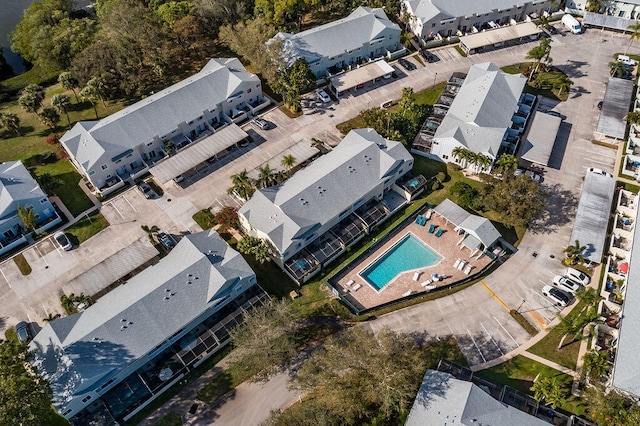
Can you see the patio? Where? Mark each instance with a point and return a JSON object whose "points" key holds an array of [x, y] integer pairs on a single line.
{"points": [[363, 296]]}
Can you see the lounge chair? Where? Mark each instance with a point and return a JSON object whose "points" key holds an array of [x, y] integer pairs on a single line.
{"points": [[462, 264], [468, 269], [408, 293], [416, 275], [356, 287], [429, 214], [440, 232], [419, 219], [457, 262], [432, 228], [349, 283], [426, 283], [423, 221]]}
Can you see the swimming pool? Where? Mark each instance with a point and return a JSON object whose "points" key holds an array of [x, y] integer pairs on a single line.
{"points": [[407, 254]]}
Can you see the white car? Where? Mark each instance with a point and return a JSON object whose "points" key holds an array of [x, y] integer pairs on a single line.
{"points": [[533, 176], [322, 95], [63, 241], [558, 296], [577, 276], [564, 283]]}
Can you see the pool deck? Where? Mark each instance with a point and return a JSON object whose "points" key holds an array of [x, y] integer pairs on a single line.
{"points": [[365, 296]]}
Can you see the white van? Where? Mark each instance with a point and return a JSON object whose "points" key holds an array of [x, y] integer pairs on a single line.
{"points": [[627, 60], [572, 24]]}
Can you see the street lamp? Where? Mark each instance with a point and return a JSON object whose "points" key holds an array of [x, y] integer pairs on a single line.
{"points": [[434, 78], [520, 306]]}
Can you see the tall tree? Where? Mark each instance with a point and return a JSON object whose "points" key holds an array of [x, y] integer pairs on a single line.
{"points": [[255, 247], [68, 82], [517, 199], [219, 12], [575, 252], [98, 88], [596, 365], [10, 121], [617, 68], [61, 103], [635, 34], [550, 390], [173, 11], [242, 185], [30, 102], [48, 183], [28, 218], [49, 117], [26, 397], [88, 93], [293, 82], [462, 154], [265, 178], [288, 161], [562, 84], [507, 162]]}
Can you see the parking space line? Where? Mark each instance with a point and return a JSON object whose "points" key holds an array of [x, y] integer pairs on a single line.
{"points": [[5, 278], [495, 296], [41, 256], [128, 202], [112, 204], [491, 337], [506, 331], [475, 344]]}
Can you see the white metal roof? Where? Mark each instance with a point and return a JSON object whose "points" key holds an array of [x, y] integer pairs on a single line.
{"points": [[361, 75], [539, 143], [498, 35], [197, 152], [616, 104]]}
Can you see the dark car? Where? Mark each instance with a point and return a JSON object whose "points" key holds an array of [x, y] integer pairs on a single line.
{"points": [[166, 240], [24, 332], [146, 190], [558, 296], [406, 64], [428, 56]]}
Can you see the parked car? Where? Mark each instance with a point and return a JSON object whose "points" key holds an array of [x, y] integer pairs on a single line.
{"points": [[146, 190], [63, 241], [260, 122], [24, 332], [406, 64], [178, 179], [532, 175], [323, 96], [166, 240], [559, 297], [577, 276], [566, 284], [600, 172], [428, 56]]}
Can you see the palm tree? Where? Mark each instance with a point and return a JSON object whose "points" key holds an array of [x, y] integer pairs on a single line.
{"points": [[461, 154], [563, 83], [10, 121], [632, 117], [89, 94], [596, 364], [49, 117], [68, 82], [97, 86], [589, 295], [266, 176], [544, 22], [483, 162], [507, 162], [30, 102], [27, 217], [288, 161], [150, 231], [48, 183], [635, 34], [242, 185], [548, 389], [51, 317], [617, 68], [574, 252], [61, 103]]}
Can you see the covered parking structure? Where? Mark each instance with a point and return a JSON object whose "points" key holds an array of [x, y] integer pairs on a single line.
{"points": [[539, 142], [302, 151], [498, 37], [594, 211], [196, 153], [615, 106], [609, 22], [356, 79]]}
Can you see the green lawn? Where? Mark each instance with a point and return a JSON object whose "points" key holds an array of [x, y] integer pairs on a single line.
{"points": [[519, 373], [87, 227], [171, 419], [70, 192], [545, 80], [548, 347], [205, 219]]}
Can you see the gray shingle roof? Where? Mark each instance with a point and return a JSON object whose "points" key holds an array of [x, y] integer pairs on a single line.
{"points": [[626, 375], [616, 104], [325, 188], [592, 217], [542, 135], [81, 350], [16, 187], [445, 400], [444, 9], [361, 26], [482, 109], [158, 114]]}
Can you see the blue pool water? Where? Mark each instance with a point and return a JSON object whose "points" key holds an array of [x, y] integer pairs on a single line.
{"points": [[407, 254]]}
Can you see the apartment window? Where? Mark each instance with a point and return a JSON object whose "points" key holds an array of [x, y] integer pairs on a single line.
{"points": [[248, 90], [433, 25], [149, 143], [86, 398], [104, 166], [43, 201], [445, 156], [92, 172]]}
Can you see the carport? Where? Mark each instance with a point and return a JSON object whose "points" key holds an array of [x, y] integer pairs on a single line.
{"points": [[615, 106], [197, 152], [357, 78], [496, 38], [606, 21], [594, 211], [539, 142]]}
